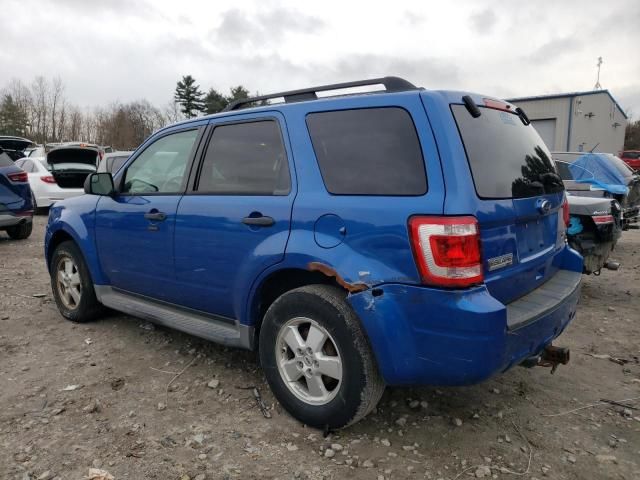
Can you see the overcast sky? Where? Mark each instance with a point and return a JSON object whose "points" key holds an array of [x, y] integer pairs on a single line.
{"points": [[125, 50]]}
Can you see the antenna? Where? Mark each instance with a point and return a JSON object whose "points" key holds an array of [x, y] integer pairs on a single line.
{"points": [[598, 86]]}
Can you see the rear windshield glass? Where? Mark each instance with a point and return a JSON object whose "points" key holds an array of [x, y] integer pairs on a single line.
{"points": [[373, 151], [507, 158], [622, 167]]}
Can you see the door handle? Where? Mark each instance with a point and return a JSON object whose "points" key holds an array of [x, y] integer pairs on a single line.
{"points": [[155, 216], [260, 221]]}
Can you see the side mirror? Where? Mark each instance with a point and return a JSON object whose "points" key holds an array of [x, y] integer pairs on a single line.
{"points": [[99, 184]]}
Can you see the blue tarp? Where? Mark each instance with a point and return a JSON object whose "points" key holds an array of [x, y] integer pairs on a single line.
{"points": [[598, 170]]}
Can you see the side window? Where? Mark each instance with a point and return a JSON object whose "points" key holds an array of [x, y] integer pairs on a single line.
{"points": [[373, 151], [161, 168], [246, 159]]}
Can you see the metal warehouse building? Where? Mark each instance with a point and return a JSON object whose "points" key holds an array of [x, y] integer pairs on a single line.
{"points": [[576, 122]]}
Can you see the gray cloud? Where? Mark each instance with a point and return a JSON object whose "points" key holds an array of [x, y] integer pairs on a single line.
{"points": [[555, 49], [240, 28], [483, 22], [424, 71]]}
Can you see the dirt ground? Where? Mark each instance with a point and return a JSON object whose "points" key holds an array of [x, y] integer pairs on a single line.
{"points": [[75, 397]]}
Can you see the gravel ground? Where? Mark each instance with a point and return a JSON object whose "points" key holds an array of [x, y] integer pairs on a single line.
{"points": [[105, 395]]}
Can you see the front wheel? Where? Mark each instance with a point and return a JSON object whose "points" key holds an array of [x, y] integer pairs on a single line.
{"points": [[317, 359], [71, 284]]}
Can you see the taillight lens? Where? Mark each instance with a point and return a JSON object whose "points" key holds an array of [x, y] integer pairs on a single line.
{"points": [[602, 219], [447, 250], [19, 177], [565, 211], [48, 179]]}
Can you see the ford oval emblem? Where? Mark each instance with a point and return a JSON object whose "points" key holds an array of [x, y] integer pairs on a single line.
{"points": [[544, 206]]}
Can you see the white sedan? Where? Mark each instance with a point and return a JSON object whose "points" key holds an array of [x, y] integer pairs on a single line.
{"points": [[45, 189]]}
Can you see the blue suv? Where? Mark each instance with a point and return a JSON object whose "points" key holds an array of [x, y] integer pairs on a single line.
{"points": [[16, 199], [394, 237]]}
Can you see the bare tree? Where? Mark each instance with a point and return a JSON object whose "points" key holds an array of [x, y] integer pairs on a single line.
{"points": [[56, 93], [39, 92]]}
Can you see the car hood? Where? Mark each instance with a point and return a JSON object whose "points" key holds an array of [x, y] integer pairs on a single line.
{"points": [[87, 156]]}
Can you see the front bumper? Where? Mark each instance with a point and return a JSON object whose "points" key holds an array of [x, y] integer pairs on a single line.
{"points": [[427, 336]]}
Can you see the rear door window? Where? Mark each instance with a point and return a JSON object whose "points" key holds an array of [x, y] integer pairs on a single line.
{"points": [[507, 158], [374, 151], [246, 159]]}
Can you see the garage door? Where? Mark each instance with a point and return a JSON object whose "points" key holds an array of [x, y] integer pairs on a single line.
{"points": [[547, 130]]}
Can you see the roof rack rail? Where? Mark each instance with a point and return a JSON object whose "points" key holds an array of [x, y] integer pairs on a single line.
{"points": [[391, 84]]}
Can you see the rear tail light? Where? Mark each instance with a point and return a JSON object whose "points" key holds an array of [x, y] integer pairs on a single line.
{"points": [[602, 219], [447, 250], [48, 179], [565, 211], [20, 177]]}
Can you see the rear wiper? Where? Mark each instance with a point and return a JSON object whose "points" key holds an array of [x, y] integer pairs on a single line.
{"points": [[472, 108]]}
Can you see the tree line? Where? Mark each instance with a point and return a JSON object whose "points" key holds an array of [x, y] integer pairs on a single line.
{"points": [[41, 111], [632, 136]]}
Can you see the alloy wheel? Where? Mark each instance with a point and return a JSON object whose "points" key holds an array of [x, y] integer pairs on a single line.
{"points": [[309, 361]]}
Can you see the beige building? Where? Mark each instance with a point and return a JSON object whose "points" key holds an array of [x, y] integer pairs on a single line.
{"points": [[576, 122]]}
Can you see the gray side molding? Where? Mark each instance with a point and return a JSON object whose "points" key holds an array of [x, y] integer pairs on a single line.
{"points": [[210, 327]]}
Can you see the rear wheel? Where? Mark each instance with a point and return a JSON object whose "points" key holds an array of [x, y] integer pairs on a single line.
{"points": [[317, 359], [71, 284], [20, 232]]}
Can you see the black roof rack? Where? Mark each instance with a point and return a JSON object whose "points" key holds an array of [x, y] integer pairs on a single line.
{"points": [[391, 84]]}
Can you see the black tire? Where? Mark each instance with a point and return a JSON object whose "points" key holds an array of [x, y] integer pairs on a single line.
{"points": [[20, 232], [87, 308], [361, 385]]}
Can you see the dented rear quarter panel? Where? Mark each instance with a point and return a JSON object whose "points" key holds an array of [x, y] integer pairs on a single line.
{"points": [[374, 247]]}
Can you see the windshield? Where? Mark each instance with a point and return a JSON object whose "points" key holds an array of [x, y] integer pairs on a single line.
{"points": [[507, 158]]}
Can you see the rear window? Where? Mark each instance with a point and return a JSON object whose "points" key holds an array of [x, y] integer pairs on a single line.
{"points": [[632, 155], [622, 167], [507, 158], [372, 151]]}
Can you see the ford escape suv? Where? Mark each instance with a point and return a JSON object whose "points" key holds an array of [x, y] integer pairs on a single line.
{"points": [[394, 237]]}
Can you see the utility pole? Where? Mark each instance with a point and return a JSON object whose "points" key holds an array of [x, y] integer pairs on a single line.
{"points": [[598, 86]]}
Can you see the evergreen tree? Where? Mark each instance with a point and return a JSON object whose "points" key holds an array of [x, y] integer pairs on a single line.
{"points": [[13, 119], [214, 101], [189, 96], [238, 93]]}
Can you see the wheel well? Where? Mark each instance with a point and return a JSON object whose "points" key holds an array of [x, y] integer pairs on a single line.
{"points": [[58, 237], [281, 282]]}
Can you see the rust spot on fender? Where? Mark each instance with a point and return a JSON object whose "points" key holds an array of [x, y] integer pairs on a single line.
{"points": [[330, 272]]}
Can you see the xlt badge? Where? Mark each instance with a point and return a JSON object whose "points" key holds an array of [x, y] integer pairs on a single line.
{"points": [[500, 262]]}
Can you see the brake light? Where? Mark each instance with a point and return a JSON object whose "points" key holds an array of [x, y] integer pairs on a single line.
{"points": [[565, 211], [48, 179], [19, 177], [602, 219], [497, 105], [447, 250]]}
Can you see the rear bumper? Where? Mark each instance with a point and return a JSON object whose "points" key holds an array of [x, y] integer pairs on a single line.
{"points": [[10, 220], [426, 336]]}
